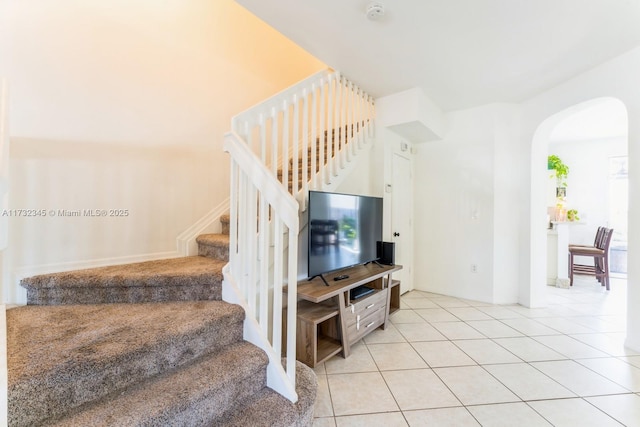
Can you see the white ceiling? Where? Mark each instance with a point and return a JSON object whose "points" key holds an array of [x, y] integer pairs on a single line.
{"points": [[462, 53]]}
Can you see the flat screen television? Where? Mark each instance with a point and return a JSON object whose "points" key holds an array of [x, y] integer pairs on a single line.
{"points": [[344, 231]]}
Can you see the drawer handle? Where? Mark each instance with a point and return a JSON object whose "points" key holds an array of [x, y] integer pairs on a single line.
{"points": [[370, 324], [369, 306]]}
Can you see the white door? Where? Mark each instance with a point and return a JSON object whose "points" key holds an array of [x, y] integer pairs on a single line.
{"points": [[401, 213]]}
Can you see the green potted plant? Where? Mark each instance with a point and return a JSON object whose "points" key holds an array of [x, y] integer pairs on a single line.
{"points": [[560, 169], [572, 215]]}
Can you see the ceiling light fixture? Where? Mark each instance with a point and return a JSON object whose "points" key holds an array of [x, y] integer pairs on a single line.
{"points": [[374, 11]]}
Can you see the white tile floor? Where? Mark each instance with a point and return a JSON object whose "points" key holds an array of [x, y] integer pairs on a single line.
{"points": [[445, 361]]}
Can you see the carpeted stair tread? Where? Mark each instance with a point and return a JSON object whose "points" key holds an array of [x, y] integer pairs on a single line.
{"points": [[269, 409], [68, 355], [151, 273], [174, 279], [190, 396], [214, 246], [213, 239]]}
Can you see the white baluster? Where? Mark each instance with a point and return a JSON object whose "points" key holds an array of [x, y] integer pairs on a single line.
{"points": [[252, 237], [342, 112], [242, 234], [263, 139], [274, 141], [292, 297], [321, 133], [233, 218], [296, 144], [337, 125], [277, 287], [372, 129], [264, 265], [352, 119], [314, 137], [330, 126], [285, 144], [347, 116], [305, 147], [361, 118], [356, 117]]}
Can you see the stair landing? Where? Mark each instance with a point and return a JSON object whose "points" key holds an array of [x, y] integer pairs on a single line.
{"points": [[177, 279]]}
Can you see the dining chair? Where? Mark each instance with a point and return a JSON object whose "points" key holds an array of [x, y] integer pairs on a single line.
{"points": [[599, 252]]}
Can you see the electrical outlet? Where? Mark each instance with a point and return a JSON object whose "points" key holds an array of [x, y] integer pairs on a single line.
{"points": [[474, 268]]}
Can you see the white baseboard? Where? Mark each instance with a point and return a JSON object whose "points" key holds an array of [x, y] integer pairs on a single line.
{"points": [[28, 271]]}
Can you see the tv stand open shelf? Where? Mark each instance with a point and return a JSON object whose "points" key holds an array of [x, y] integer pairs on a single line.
{"points": [[329, 322]]}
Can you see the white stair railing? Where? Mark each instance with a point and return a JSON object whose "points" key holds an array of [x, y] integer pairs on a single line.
{"points": [[309, 132], [261, 262], [299, 140]]}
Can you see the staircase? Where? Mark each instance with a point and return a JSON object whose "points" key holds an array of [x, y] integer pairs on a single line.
{"points": [[144, 344], [163, 343]]}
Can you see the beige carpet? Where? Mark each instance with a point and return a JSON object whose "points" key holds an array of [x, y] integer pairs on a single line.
{"points": [[143, 344]]}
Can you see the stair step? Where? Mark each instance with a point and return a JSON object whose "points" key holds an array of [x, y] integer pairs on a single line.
{"points": [[61, 357], [214, 246], [269, 409], [177, 279], [300, 173], [309, 166], [194, 395], [225, 220]]}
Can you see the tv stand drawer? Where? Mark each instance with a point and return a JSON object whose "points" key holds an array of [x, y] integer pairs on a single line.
{"points": [[365, 325], [363, 307]]}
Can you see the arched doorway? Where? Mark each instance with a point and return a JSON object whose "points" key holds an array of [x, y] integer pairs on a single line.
{"points": [[540, 179]]}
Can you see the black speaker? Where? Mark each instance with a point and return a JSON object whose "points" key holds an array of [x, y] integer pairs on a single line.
{"points": [[387, 253]]}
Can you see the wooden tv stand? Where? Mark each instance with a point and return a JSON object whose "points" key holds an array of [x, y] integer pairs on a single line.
{"points": [[329, 322]]}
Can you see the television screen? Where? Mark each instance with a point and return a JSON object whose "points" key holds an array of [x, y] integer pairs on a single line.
{"points": [[343, 231]]}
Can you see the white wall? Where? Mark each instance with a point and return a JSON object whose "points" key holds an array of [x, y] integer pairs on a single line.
{"points": [[463, 173], [454, 197], [588, 182], [506, 220], [4, 162], [123, 105], [360, 180]]}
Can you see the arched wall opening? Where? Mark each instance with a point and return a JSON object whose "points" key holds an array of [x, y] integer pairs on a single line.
{"points": [[539, 182]]}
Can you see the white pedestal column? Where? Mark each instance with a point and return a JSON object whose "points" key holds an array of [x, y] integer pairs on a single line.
{"points": [[562, 281]]}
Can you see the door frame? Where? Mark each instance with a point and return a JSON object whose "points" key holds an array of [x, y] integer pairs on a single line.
{"points": [[395, 145]]}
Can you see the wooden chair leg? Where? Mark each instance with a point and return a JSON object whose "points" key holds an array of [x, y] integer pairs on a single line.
{"points": [[605, 264], [570, 269]]}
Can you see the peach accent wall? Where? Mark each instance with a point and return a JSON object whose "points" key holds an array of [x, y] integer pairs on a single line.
{"points": [[122, 105]]}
